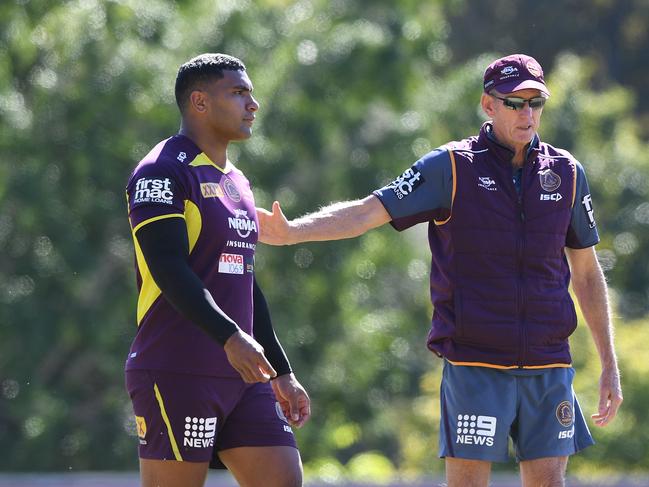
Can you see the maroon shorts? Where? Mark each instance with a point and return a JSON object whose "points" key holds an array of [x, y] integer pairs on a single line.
{"points": [[190, 418]]}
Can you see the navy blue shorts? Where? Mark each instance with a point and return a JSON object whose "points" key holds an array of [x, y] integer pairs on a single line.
{"points": [[482, 407], [190, 418]]}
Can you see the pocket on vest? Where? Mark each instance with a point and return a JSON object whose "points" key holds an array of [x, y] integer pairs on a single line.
{"points": [[490, 323], [551, 322]]}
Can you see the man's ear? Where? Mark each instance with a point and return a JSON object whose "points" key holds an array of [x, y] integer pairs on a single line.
{"points": [[487, 103], [198, 101]]}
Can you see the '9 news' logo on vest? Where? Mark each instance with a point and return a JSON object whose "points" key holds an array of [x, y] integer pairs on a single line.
{"points": [[153, 191]]}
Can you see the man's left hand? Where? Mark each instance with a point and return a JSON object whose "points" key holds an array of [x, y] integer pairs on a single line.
{"points": [[292, 398], [610, 396]]}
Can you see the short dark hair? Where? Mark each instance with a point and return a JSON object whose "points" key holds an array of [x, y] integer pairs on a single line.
{"points": [[201, 70]]}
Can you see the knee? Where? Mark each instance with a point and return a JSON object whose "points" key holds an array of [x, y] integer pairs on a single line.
{"points": [[294, 479], [554, 481], [288, 478]]}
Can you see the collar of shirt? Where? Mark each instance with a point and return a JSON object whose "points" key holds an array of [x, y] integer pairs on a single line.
{"points": [[501, 152]]}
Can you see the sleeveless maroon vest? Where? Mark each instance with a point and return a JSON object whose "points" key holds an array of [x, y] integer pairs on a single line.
{"points": [[499, 275]]}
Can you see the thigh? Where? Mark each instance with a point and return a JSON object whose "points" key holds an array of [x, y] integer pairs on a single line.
{"points": [[467, 473], [256, 420], [478, 406], [171, 473], [178, 415], [268, 466], [550, 422], [544, 472]]}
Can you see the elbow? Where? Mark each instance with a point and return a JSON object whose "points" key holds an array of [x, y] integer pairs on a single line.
{"points": [[164, 281], [166, 276]]}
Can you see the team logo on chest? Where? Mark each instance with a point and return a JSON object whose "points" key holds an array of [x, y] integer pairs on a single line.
{"points": [[231, 190], [242, 223], [550, 180]]}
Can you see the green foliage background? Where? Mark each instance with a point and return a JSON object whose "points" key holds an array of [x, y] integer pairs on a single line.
{"points": [[351, 92]]}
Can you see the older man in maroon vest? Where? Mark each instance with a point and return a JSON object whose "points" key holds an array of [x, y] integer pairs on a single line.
{"points": [[510, 220]]}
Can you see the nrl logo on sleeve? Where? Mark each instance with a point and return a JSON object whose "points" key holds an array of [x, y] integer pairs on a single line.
{"points": [[150, 190], [405, 184]]}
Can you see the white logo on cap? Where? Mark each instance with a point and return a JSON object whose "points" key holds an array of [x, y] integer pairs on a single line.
{"points": [[509, 70], [534, 68]]}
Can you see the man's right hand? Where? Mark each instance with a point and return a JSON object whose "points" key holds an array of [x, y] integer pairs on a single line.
{"points": [[273, 226], [247, 357]]}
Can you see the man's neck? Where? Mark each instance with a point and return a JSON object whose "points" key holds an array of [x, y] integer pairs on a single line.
{"points": [[520, 153], [520, 156], [213, 148]]}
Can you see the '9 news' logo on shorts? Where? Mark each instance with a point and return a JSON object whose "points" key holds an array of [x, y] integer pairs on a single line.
{"points": [[153, 191], [199, 432], [475, 430]]}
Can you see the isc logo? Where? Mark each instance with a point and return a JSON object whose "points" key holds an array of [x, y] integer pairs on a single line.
{"points": [[563, 435], [551, 197]]}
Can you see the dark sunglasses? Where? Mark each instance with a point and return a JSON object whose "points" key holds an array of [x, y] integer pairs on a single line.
{"points": [[514, 103]]}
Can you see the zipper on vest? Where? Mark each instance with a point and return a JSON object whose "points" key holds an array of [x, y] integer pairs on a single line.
{"points": [[521, 277]]}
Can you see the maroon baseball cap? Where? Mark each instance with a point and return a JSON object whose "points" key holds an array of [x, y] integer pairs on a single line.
{"points": [[513, 73]]}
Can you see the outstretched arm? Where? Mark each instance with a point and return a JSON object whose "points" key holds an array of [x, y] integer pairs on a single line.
{"points": [[334, 222], [590, 288]]}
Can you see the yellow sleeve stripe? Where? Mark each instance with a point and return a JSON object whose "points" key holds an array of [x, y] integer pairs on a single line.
{"points": [[150, 290], [509, 367], [165, 418], [452, 156], [194, 223], [156, 218]]}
